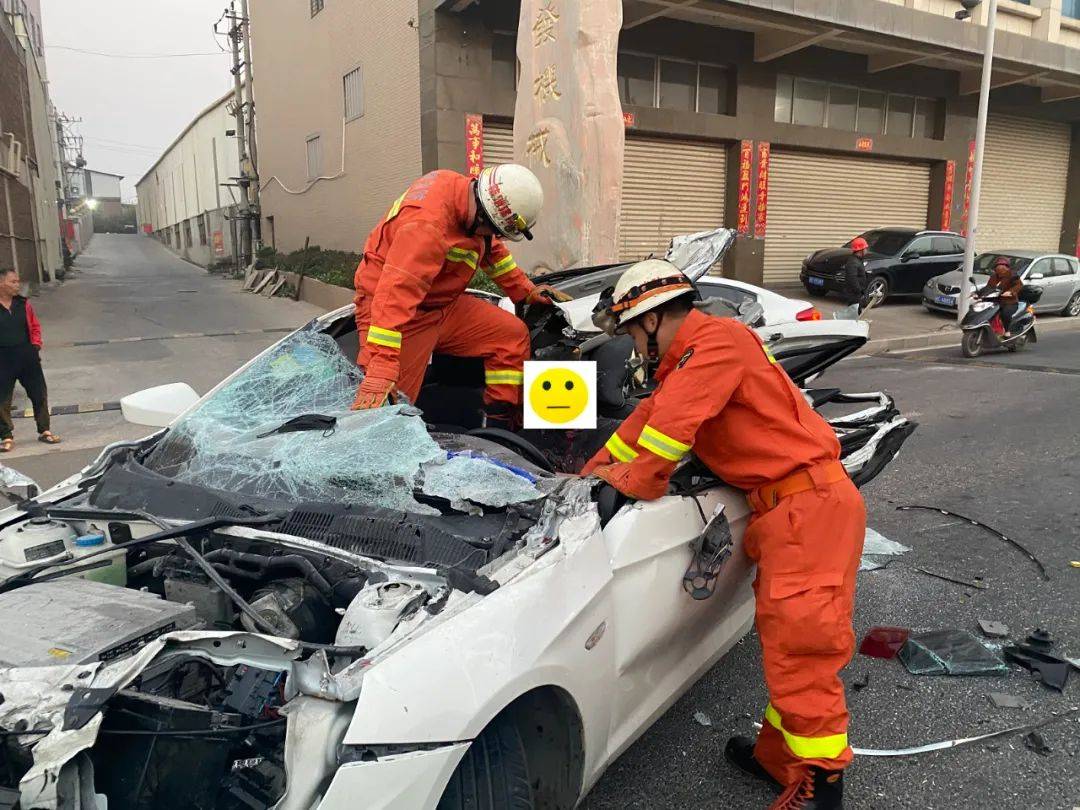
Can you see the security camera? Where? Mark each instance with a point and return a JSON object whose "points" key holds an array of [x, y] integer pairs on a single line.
{"points": [[969, 6]]}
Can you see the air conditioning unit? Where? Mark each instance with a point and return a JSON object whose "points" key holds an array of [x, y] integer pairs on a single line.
{"points": [[10, 154]]}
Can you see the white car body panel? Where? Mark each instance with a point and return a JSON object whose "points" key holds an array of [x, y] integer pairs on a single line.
{"points": [[412, 781]]}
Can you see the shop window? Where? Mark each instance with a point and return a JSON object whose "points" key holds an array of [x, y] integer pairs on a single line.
{"points": [[202, 229], [678, 85], [843, 107], [1071, 8], [713, 90], [187, 233], [637, 80], [808, 105], [784, 94], [901, 115], [504, 67], [925, 118], [871, 112], [316, 7], [314, 157], [353, 84]]}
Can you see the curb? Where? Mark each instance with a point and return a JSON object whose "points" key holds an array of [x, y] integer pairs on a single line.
{"points": [[68, 410], [950, 336]]}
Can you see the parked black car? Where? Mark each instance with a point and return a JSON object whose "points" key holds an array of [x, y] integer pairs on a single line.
{"points": [[899, 261]]}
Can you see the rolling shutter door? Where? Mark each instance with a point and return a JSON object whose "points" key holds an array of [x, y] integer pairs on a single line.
{"points": [[818, 201], [669, 188], [1023, 188], [498, 143]]}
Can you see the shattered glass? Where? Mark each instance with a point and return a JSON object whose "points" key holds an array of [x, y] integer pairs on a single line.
{"points": [[378, 457], [877, 544], [949, 652]]}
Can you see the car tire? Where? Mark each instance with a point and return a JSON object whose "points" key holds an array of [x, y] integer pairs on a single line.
{"points": [[971, 343], [1072, 309], [878, 282], [493, 774]]}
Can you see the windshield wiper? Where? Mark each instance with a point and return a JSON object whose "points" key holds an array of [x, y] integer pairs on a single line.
{"points": [[303, 422]]}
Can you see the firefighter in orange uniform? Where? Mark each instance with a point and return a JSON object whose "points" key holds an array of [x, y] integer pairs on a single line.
{"points": [[723, 395], [418, 262]]}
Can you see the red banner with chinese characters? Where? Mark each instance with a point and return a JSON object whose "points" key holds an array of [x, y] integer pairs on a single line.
{"points": [[746, 158], [968, 179], [865, 144], [947, 195], [628, 119], [762, 210], [474, 144]]}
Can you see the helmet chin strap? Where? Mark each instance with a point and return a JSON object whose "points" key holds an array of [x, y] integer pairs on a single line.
{"points": [[653, 346]]}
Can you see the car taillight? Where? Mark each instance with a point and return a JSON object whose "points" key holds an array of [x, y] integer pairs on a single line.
{"points": [[811, 314]]}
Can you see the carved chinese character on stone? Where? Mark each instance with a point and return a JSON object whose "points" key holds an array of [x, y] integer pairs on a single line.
{"points": [[546, 85], [536, 148], [544, 27]]}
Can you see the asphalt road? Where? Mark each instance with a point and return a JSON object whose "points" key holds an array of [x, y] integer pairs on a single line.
{"points": [[998, 441]]}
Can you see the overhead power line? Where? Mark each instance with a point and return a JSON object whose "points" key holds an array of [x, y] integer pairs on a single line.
{"points": [[131, 55]]}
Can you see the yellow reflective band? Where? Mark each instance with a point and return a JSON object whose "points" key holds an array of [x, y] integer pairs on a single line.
{"points": [[469, 257], [829, 747], [396, 207], [768, 354], [501, 267], [620, 449], [664, 446], [384, 337], [504, 377]]}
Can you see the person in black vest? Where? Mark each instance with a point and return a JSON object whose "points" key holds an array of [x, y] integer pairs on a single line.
{"points": [[20, 359]]}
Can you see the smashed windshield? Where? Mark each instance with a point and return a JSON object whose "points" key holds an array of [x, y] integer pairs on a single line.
{"points": [[282, 430]]}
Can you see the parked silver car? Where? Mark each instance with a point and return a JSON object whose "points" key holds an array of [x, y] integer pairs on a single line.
{"points": [[1056, 274]]}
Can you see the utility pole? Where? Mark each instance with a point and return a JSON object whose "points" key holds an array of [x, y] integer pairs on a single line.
{"points": [[253, 150], [244, 180], [976, 180]]}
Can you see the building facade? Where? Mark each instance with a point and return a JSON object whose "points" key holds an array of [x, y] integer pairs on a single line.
{"points": [[800, 124], [188, 199]]}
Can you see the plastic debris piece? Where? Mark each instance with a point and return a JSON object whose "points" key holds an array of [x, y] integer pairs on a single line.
{"points": [[1006, 701], [884, 642], [859, 685], [949, 652], [1040, 639], [995, 532], [1034, 741], [1074, 563], [993, 629], [876, 543], [702, 719], [1048, 669], [954, 580]]}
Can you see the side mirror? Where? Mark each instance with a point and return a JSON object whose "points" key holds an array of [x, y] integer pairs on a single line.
{"points": [[911, 254], [158, 406], [1035, 276], [972, 279], [16, 487], [751, 313]]}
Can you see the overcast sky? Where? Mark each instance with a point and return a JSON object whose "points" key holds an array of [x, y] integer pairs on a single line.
{"points": [[131, 109]]}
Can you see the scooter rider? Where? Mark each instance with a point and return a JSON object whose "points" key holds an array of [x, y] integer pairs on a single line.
{"points": [[722, 394], [1005, 280]]}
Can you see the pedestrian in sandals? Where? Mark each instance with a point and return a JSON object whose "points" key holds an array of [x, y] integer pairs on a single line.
{"points": [[20, 360]]}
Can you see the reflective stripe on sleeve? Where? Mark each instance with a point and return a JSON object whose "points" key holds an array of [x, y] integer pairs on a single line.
{"points": [[384, 337], [829, 747], [664, 446], [504, 377], [395, 208], [620, 449], [501, 267], [469, 257]]}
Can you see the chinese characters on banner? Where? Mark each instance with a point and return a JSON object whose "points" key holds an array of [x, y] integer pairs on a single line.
{"points": [[865, 144], [947, 195], [218, 239], [474, 145], [628, 119], [746, 157], [761, 212], [968, 179]]}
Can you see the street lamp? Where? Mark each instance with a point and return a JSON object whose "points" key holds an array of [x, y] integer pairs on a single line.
{"points": [[92, 204], [980, 141]]}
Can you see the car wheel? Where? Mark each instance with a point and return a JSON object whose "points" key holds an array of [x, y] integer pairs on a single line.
{"points": [[878, 288], [1072, 309], [493, 774], [971, 345]]}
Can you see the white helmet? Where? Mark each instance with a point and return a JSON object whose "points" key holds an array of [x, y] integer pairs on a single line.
{"points": [[642, 287], [511, 196]]}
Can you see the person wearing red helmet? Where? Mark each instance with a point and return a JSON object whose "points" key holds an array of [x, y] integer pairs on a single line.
{"points": [[855, 278], [1004, 279]]}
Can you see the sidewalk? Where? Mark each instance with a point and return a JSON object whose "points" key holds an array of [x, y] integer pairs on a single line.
{"points": [[906, 324]]}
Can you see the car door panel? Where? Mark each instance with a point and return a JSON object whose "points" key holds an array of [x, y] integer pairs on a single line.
{"points": [[909, 276], [1046, 284]]}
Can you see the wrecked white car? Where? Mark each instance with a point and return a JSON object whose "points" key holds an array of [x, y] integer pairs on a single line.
{"points": [[277, 602]]}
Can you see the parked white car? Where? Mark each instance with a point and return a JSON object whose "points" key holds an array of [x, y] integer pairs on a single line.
{"points": [[306, 606]]}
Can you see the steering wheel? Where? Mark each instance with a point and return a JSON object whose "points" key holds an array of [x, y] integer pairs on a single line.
{"points": [[512, 441]]}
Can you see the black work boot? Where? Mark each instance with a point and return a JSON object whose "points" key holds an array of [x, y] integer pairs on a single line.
{"points": [[817, 790], [739, 751]]}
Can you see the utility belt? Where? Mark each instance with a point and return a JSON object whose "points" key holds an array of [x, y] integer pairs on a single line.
{"points": [[818, 476]]}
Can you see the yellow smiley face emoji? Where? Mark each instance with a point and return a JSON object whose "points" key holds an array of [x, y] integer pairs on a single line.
{"points": [[558, 395]]}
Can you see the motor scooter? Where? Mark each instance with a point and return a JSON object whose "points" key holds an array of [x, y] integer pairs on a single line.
{"points": [[983, 328]]}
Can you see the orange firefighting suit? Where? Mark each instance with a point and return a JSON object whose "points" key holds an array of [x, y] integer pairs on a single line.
{"points": [[722, 393], [409, 303]]}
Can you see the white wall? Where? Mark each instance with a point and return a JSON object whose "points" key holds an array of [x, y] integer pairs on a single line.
{"points": [[104, 186], [186, 180]]}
